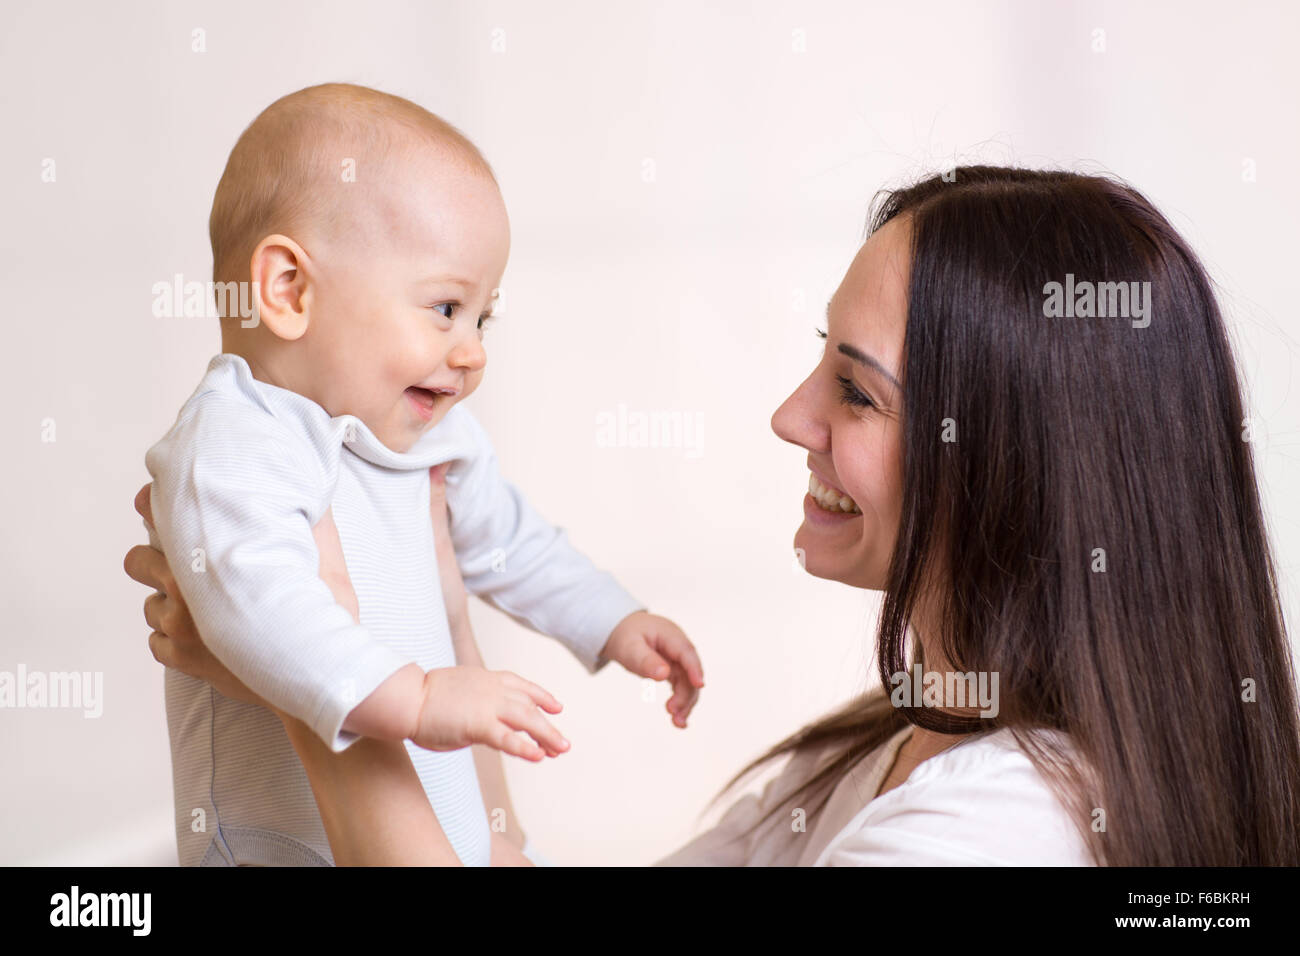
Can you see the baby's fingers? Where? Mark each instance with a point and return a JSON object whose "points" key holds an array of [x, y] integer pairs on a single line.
{"points": [[685, 694], [524, 716], [508, 741], [678, 648], [538, 695], [648, 663]]}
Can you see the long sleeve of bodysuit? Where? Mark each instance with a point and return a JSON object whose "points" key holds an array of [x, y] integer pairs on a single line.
{"points": [[512, 557]]}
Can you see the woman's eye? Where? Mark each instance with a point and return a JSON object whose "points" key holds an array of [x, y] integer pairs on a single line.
{"points": [[449, 306], [850, 394]]}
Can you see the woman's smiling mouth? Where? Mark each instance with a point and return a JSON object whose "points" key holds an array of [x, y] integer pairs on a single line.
{"points": [[828, 499]]}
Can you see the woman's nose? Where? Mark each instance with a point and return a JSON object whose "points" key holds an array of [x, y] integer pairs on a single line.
{"points": [[799, 420]]}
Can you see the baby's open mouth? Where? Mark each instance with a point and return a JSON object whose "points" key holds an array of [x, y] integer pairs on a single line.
{"points": [[424, 399], [422, 396], [828, 499]]}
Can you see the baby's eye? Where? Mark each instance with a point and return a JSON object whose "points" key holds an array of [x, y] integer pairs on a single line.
{"points": [[484, 320], [449, 306]]}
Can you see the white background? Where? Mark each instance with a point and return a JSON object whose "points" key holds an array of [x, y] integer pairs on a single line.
{"points": [[696, 292]]}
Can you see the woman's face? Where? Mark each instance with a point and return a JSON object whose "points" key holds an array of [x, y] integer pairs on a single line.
{"points": [[847, 414]]}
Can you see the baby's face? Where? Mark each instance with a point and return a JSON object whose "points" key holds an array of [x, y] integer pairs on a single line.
{"points": [[397, 322]]}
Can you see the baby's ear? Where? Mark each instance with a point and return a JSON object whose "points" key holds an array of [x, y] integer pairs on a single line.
{"points": [[281, 288]]}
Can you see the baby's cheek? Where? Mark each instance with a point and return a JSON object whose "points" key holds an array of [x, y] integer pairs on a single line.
{"points": [[397, 371]]}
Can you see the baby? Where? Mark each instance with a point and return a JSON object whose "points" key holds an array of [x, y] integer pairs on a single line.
{"points": [[374, 237]]}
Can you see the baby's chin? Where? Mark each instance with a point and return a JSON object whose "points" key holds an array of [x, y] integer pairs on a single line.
{"points": [[410, 421]]}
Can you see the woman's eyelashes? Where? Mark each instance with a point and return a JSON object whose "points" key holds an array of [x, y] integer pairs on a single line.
{"points": [[850, 394]]}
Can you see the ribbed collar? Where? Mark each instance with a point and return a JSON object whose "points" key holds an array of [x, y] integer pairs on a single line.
{"points": [[346, 430]]}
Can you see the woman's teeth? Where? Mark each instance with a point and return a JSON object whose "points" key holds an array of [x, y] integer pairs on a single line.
{"points": [[830, 500]]}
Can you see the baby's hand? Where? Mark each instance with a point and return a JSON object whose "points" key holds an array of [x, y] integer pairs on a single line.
{"points": [[471, 705], [653, 646]]}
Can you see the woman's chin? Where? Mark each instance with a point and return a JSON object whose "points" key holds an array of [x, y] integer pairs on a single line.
{"points": [[829, 546]]}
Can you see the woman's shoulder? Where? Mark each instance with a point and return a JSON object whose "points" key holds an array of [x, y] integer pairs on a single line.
{"points": [[984, 802]]}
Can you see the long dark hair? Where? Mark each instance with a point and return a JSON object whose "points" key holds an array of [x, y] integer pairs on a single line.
{"points": [[1096, 525]]}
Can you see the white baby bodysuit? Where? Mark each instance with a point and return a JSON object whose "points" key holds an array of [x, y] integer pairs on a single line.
{"points": [[239, 481]]}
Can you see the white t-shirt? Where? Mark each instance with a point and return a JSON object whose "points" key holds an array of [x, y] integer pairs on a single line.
{"points": [[239, 481], [980, 803]]}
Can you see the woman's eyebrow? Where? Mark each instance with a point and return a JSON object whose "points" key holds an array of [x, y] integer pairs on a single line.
{"points": [[861, 357]]}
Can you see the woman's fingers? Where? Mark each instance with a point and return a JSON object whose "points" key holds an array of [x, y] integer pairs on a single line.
{"points": [[165, 609], [169, 614], [333, 566], [164, 650], [149, 566], [454, 595], [438, 497], [330, 546], [438, 480], [143, 506], [153, 611]]}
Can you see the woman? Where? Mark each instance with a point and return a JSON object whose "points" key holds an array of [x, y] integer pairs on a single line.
{"points": [[1058, 503]]}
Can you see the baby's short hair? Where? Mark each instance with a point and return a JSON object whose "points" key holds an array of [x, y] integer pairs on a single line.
{"points": [[288, 167]]}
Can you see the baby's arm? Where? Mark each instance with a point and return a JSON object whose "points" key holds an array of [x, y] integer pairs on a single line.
{"points": [[523, 565], [512, 557], [235, 494]]}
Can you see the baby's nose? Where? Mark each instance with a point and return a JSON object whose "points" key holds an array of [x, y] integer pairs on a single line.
{"points": [[469, 354]]}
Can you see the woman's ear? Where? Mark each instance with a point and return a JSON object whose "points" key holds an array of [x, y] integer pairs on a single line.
{"points": [[280, 286]]}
